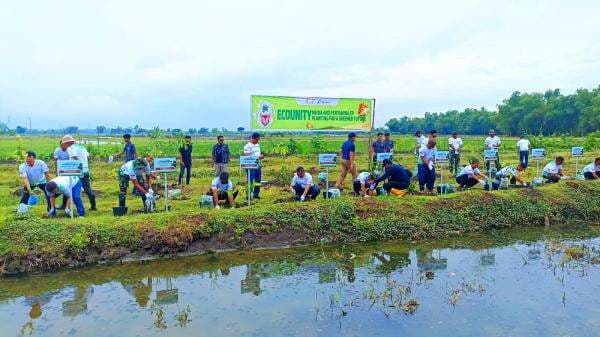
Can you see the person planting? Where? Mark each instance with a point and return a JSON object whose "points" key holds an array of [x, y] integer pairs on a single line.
{"points": [[70, 188], [138, 172], [592, 170], [364, 184], [302, 185], [222, 190], [470, 175], [511, 172], [553, 171], [398, 178], [34, 173]]}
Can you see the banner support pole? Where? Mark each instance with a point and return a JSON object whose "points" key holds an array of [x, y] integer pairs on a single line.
{"points": [[166, 194]]}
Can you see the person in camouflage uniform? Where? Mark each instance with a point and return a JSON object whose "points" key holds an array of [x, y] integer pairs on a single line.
{"points": [[138, 172]]}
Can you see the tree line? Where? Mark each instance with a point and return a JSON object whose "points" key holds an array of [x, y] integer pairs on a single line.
{"points": [[522, 113]]}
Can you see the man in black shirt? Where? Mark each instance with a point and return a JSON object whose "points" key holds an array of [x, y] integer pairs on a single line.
{"points": [[398, 177], [220, 155], [185, 156]]}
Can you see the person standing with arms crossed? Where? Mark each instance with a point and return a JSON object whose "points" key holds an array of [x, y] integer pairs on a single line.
{"points": [[348, 155], [454, 144], [185, 157], [253, 149], [220, 156]]}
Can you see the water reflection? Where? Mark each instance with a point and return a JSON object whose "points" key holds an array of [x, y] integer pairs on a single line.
{"points": [[315, 289]]}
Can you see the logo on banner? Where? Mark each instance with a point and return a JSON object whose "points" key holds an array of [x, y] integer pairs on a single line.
{"points": [[265, 114]]}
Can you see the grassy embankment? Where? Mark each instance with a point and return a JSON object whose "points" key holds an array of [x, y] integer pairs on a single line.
{"points": [[36, 243]]}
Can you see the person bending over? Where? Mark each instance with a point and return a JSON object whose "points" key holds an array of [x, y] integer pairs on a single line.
{"points": [[553, 171], [592, 170], [222, 191], [302, 185], [470, 175], [397, 176], [70, 188], [364, 184], [511, 172]]}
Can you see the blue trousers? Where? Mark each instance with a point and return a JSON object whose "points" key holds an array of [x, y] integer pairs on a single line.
{"points": [[76, 195], [524, 157], [255, 179], [426, 177], [313, 191]]}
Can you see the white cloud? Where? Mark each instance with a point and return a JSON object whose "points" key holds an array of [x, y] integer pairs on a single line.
{"points": [[138, 59]]}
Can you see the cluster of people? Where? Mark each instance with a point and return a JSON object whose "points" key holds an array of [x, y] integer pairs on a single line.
{"points": [[396, 179]]}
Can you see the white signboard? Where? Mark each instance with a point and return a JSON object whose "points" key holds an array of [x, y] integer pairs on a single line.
{"points": [[538, 154], [69, 167], [577, 151], [327, 159], [442, 156], [165, 164], [249, 162]]}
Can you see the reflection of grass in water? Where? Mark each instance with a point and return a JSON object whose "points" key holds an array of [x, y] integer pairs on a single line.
{"points": [[183, 317], [394, 295], [464, 288]]}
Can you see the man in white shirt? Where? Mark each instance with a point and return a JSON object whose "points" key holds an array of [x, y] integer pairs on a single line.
{"points": [[592, 170], [553, 170], [523, 145], [470, 175], [83, 155], [222, 189], [419, 141], [138, 172], [493, 143], [455, 144], [34, 173], [70, 188], [302, 185], [252, 148], [510, 172], [364, 184], [64, 151], [426, 166]]}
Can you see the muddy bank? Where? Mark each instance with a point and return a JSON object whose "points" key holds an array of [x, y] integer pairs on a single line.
{"points": [[31, 244]]}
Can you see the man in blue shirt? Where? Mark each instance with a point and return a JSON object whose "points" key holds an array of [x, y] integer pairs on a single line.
{"points": [[185, 157], [220, 155], [378, 146], [129, 149], [397, 176], [389, 143], [347, 164]]}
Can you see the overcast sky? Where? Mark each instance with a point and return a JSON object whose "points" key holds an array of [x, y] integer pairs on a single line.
{"points": [[195, 63]]}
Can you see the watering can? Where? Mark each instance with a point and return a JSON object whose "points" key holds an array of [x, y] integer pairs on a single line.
{"points": [[33, 200]]}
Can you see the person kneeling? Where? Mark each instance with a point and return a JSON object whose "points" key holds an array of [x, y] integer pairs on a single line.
{"points": [[553, 172], [470, 175], [398, 178], [592, 171], [302, 185], [70, 188], [222, 191], [364, 184]]}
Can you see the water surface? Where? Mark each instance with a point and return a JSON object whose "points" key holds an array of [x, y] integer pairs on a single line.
{"points": [[532, 282]]}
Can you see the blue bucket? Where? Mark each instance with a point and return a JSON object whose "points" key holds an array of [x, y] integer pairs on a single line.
{"points": [[33, 200]]}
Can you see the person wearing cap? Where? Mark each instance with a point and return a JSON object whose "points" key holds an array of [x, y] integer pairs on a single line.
{"points": [[470, 175], [222, 190], [70, 189], [553, 171], [34, 173], [138, 172], [364, 185], [252, 148], [592, 170], [397, 176], [347, 153], [493, 143], [83, 155], [302, 185], [185, 158], [420, 141], [426, 166], [389, 143], [378, 146], [523, 146], [129, 149], [64, 150], [220, 155], [455, 144]]}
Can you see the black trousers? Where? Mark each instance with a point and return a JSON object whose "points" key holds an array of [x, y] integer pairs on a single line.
{"points": [[187, 168], [25, 195], [466, 181]]}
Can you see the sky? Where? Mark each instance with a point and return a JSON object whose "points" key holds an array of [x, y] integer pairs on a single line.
{"points": [[190, 63]]}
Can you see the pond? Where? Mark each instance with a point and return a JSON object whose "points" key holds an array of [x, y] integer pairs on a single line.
{"points": [[533, 282]]}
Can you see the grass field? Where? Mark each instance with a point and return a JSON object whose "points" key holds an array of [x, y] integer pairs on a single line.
{"points": [[278, 167]]}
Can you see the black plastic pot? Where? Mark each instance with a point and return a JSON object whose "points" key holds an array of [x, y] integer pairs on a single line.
{"points": [[119, 211]]}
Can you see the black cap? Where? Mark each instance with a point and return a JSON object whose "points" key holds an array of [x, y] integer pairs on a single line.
{"points": [[352, 135], [255, 135], [224, 176], [127, 135], [387, 161], [31, 154]]}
